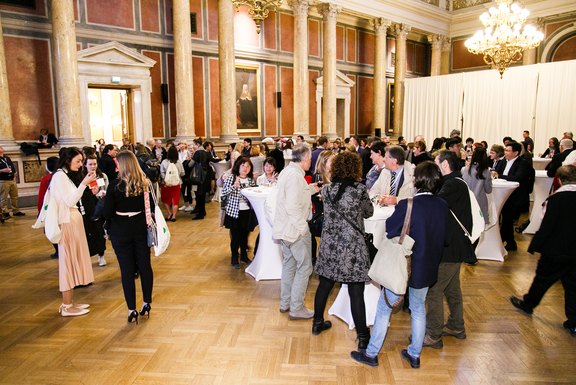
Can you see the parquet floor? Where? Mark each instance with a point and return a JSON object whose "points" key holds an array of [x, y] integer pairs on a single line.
{"points": [[211, 324]]}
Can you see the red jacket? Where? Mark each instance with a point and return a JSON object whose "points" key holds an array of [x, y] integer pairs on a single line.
{"points": [[44, 183]]}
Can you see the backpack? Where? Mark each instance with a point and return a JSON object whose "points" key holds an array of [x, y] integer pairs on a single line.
{"points": [[151, 167], [197, 173], [30, 149], [172, 177]]}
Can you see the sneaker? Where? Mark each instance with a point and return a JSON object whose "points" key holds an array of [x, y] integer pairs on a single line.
{"points": [[434, 343], [301, 314], [188, 209], [19, 214], [101, 261], [460, 334], [182, 208]]}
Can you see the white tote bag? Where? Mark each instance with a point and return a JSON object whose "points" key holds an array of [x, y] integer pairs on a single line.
{"points": [[162, 232], [48, 218]]}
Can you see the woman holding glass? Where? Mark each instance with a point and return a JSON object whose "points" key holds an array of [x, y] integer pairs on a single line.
{"points": [[125, 209]]}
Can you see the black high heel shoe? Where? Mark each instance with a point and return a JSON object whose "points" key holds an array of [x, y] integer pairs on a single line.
{"points": [[133, 316], [146, 310]]}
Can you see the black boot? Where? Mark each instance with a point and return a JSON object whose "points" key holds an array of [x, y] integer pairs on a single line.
{"points": [[319, 325], [363, 339]]}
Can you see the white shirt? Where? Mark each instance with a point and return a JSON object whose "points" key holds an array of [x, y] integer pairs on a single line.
{"points": [[509, 164]]}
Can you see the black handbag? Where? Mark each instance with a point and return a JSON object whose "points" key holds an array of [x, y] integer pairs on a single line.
{"points": [[315, 224]]}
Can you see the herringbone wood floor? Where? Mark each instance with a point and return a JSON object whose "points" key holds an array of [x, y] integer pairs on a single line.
{"points": [[211, 324]]}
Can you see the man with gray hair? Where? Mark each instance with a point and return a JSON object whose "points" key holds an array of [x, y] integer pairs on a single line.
{"points": [[557, 160], [291, 228], [396, 181]]}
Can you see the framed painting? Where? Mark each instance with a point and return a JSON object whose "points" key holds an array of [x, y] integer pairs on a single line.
{"points": [[247, 97]]}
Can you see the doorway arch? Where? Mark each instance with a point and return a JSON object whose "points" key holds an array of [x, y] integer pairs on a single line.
{"points": [[113, 65]]}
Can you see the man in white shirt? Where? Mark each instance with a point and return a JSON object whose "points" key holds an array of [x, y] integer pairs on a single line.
{"points": [[291, 228], [396, 181]]}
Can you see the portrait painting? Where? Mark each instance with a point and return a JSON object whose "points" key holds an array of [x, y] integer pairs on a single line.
{"points": [[247, 113]]}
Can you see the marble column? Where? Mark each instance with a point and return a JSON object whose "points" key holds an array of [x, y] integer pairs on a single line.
{"points": [[401, 32], [183, 71], [529, 56], [301, 87], [445, 57], [436, 61], [6, 133], [66, 75], [228, 130], [329, 12], [380, 63]]}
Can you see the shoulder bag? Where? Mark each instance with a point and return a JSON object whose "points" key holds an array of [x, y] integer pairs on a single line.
{"points": [[158, 233], [368, 237], [391, 267]]}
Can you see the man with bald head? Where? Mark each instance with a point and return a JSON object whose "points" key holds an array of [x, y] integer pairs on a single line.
{"points": [[557, 160]]}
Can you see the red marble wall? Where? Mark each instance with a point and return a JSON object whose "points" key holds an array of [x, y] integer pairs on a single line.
{"points": [[312, 76], [150, 15], [30, 86], [365, 48], [270, 109], [314, 37], [339, 43], [566, 50], [365, 104], [269, 31], [156, 96], [351, 45], [110, 12], [212, 11], [286, 32], [198, 86], [353, 92], [38, 10], [463, 59], [287, 110]]}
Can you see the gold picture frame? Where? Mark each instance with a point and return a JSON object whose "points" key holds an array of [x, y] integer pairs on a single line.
{"points": [[248, 114]]}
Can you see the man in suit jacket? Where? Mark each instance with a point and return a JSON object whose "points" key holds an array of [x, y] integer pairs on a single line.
{"points": [[558, 159], [558, 256], [107, 163], [516, 169], [399, 172], [456, 250]]}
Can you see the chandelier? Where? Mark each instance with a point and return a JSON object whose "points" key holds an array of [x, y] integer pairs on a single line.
{"points": [[259, 9], [503, 39]]}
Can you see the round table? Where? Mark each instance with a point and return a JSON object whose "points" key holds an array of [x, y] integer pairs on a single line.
{"points": [[376, 225], [540, 163], [542, 185], [490, 245], [267, 263]]}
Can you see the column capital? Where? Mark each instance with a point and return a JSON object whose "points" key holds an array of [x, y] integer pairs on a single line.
{"points": [[380, 24], [329, 10], [446, 44], [401, 30], [299, 7], [437, 41]]}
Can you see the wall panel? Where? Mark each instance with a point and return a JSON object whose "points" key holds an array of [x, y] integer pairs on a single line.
{"points": [[314, 37], [199, 107], [214, 82], [156, 95], [270, 108], [312, 76], [339, 43], [286, 32], [99, 12], [350, 45], [365, 105], [287, 110], [269, 31], [365, 48], [150, 15]]}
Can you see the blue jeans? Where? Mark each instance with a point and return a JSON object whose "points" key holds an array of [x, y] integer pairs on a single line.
{"points": [[296, 270], [417, 299]]}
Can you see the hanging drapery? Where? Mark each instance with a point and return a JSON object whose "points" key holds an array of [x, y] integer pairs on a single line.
{"points": [[556, 103], [432, 106]]}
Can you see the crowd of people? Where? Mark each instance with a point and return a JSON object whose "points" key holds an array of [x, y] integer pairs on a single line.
{"points": [[322, 191]]}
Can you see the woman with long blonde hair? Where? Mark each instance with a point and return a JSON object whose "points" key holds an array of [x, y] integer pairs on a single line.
{"points": [[126, 213]]}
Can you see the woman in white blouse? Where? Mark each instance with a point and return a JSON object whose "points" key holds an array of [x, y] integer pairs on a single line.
{"points": [[74, 266]]}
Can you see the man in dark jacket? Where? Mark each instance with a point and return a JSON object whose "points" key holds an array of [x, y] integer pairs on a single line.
{"points": [[558, 256], [516, 169], [457, 250], [107, 163], [558, 159], [204, 158]]}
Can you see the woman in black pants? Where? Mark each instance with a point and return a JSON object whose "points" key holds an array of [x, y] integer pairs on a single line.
{"points": [[239, 216], [125, 211]]}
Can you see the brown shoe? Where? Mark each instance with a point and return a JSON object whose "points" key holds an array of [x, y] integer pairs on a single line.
{"points": [[434, 343], [460, 334]]}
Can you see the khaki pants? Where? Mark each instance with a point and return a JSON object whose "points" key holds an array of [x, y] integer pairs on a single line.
{"points": [[8, 188]]}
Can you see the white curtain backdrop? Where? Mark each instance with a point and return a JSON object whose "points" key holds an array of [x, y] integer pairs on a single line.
{"points": [[494, 108], [432, 106], [556, 104]]}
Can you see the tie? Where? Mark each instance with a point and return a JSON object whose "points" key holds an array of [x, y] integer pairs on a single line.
{"points": [[392, 184]]}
